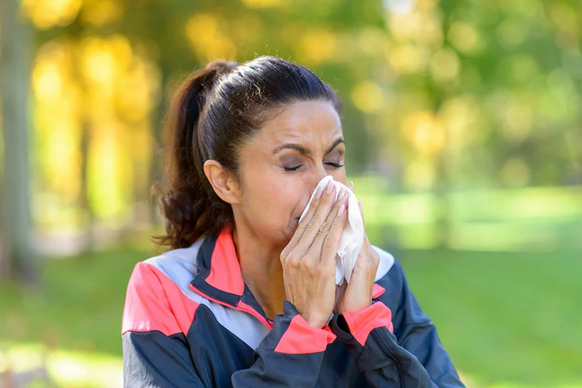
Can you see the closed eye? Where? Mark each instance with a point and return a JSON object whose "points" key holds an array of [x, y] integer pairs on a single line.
{"points": [[295, 168]]}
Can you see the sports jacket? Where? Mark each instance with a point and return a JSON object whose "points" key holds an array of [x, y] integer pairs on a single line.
{"points": [[190, 321]]}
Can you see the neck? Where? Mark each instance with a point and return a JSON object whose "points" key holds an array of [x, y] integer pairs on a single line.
{"points": [[261, 269]]}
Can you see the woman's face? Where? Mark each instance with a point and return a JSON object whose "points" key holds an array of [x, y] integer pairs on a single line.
{"points": [[282, 164]]}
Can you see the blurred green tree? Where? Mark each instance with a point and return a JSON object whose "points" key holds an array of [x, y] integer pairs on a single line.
{"points": [[17, 257]]}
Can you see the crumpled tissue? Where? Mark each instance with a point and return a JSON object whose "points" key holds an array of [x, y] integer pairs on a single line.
{"points": [[352, 235]]}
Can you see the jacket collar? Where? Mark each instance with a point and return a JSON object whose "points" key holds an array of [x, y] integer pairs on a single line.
{"points": [[218, 273]]}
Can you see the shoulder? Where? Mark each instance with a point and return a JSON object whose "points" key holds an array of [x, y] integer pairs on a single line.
{"points": [[387, 261], [157, 285], [178, 265], [390, 277], [397, 295]]}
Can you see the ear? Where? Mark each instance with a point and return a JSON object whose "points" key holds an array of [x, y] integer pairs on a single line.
{"points": [[222, 181]]}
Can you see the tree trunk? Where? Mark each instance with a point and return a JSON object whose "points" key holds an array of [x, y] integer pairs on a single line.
{"points": [[17, 259]]}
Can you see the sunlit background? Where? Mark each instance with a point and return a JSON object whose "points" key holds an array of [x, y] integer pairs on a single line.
{"points": [[463, 125]]}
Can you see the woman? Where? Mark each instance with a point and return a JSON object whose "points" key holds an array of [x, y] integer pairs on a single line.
{"points": [[245, 296]]}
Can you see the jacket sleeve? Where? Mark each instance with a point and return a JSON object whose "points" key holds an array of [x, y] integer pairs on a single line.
{"points": [[404, 349], [156, 352], [289, 356]]}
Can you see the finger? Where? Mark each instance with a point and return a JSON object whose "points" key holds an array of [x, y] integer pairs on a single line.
{"points": [[311, 228], [329, 224], [305, 220], [339, 293], [330, 243]]}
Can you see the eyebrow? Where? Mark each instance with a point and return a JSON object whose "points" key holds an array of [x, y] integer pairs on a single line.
{"points": [[305, 151]]}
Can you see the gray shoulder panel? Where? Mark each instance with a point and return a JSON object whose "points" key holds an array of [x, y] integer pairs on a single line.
{"points": [[180, 266]]}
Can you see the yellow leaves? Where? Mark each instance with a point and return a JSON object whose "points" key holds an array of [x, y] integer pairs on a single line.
{"points": [[48, 13], [137, 91], [406, 26], [208, 39], [258, 4], [116, 74], [424, 131], [47, 79], [317, 45], [422, 25], [123, 88], [367, 97], [101, 12], [247, 37], [445, 65], [417, 34], [408, 58], [57, 118], [103, 59], [100, 89], [462, 118], [373, 41], [110, 169]]}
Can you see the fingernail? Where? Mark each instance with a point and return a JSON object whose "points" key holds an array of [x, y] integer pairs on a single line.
{"points": [[342, 194], [341, 210], [330, 187], [318, 192], [352, 185]]}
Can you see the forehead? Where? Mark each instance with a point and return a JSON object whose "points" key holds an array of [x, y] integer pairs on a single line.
{"points": [[314, 124]]}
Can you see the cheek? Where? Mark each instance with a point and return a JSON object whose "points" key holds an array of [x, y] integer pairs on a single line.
{"points": [[281, 199], [272, 197]]}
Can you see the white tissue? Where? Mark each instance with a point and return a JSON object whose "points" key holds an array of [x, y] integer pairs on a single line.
{"points": [[352, 236]]}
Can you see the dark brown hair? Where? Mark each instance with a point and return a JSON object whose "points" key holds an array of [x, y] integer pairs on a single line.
{"points": [[214, 112]]}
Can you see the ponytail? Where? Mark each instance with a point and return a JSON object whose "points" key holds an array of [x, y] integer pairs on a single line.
{"points": [[190, 206]]}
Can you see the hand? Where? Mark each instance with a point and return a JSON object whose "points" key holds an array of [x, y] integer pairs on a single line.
{"points": [[358, 293], [309, 259]]}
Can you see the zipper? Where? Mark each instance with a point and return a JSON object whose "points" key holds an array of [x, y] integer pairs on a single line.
{"points": [[389, 353]]}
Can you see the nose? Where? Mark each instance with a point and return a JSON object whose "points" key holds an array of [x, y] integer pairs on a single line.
{"points": [[318, 175], [315, 177]]}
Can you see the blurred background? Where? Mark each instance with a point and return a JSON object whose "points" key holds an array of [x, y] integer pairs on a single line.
{"points": [[463, 125]]}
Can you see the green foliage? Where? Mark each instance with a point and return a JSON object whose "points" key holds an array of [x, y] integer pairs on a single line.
{"points": [[450, 95]]}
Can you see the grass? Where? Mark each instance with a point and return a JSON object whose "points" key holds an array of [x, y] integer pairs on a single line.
{"points": [[78, 307], [509, 320], [510, 317]]}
